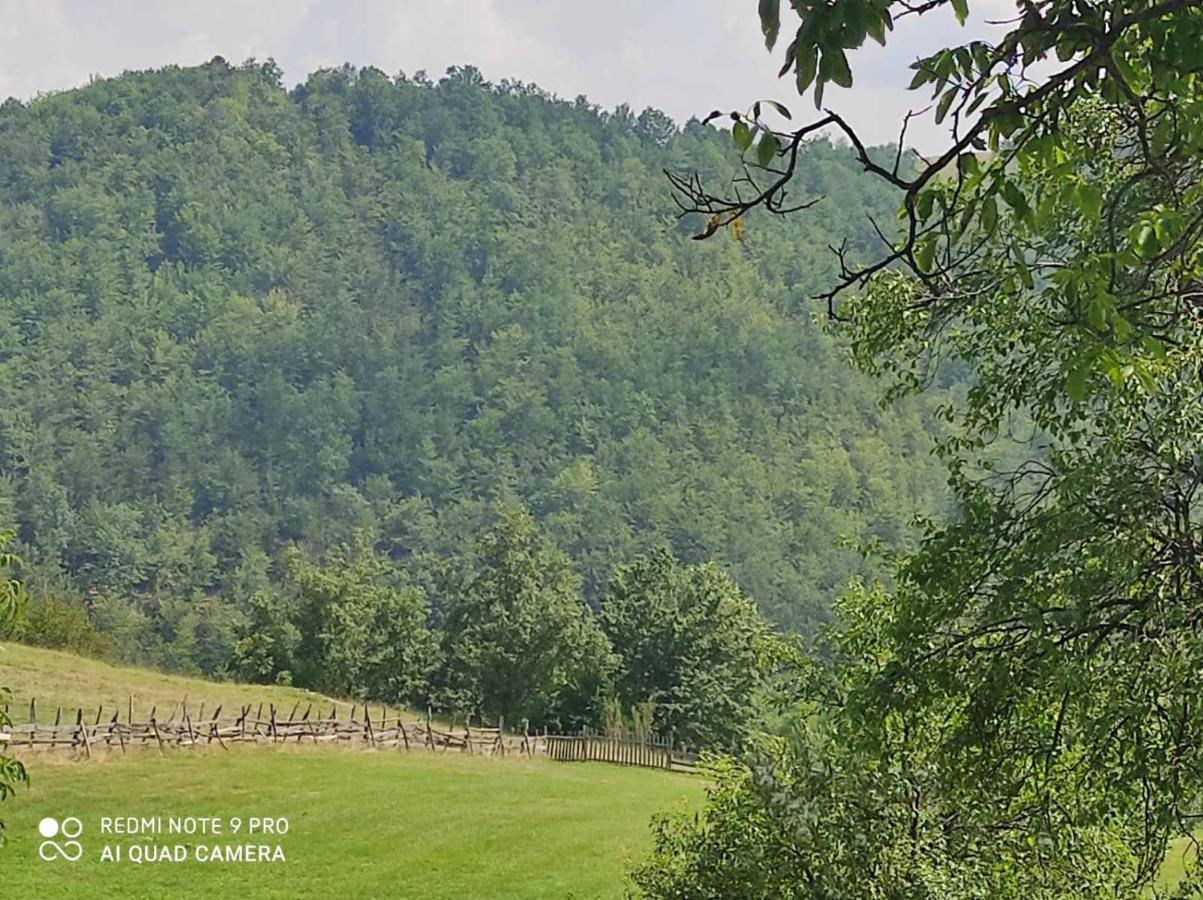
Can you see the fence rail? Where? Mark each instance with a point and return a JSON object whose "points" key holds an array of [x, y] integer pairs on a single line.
{"points": [[86, 732]]}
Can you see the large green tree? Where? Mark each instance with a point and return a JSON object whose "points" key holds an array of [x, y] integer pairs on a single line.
{"points": [[362, 632], [1025, 708], [689, 643], [518, 641]]}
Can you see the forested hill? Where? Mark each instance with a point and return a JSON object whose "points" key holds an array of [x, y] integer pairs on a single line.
{"points": [[236, 317]]}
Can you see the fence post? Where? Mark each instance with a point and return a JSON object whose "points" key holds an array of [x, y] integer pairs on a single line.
{"points": [[83, 733], [155, 728]]}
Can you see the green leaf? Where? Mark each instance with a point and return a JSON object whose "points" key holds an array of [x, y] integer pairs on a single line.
{"points": [[841, 72], [960, 9], [770, 21], [922, 76], [877, 25], [925, 254], [1147, 243], [945, 103], [1121, 327], [780, 107], [1075, 382], [980, 51], [923, 204], [808, 65], [989, 214], [742, 135], [1025, 275], [1090, 199], [1015, 197], [767, 148], [1146, 379]]}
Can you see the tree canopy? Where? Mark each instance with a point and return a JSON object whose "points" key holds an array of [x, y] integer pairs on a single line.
{"points": [[1015, 715], [689, 644], [239, 318], [517, 641]]}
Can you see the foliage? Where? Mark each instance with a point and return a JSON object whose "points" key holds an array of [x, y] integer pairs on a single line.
{"points": [[1029, 689], [518, 644], [361, 633], [12, 604], [636, 724], [63, 623], [238, 318], [675, 650], [266, 652], [853, 801], [689, 643]]}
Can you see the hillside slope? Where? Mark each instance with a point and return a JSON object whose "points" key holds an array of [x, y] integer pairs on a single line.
{"points": [[55, 679], [234, 317]]}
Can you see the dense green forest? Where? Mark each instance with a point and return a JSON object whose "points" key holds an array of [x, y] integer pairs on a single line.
{"points": [[240, 322]]}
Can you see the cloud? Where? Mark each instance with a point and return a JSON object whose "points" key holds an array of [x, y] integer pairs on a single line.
{"points": [[683, 56]]}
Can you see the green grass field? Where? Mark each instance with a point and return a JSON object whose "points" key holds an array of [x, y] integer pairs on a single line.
{"points": [[362, 823]]}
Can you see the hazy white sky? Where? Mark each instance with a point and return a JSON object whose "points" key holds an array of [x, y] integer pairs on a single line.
{"points": [[683, 56]]}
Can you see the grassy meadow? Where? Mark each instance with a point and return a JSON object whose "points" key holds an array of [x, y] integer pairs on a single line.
{"points": [[361, 822], [61, 679]]}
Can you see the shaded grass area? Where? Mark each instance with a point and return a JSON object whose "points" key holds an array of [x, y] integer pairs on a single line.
{"points": [[361, 823], [1180, 854]]}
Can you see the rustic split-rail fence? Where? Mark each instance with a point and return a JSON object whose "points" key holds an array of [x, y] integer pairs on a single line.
{"points": [[85, 732]]}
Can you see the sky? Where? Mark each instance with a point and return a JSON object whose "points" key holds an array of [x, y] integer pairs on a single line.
{"points": [[684, 57]]}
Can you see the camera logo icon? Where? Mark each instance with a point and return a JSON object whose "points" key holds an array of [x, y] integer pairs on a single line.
{"points": [[68, 848]]}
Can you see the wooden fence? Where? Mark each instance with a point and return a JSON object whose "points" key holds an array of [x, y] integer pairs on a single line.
{"points": [[84, 732], [650, 753]]}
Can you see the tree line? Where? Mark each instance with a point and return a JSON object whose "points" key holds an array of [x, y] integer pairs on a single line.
{"points": [[671, 648]]}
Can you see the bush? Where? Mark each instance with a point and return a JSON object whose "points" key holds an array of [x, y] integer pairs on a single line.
{"points": [[62, 623]]}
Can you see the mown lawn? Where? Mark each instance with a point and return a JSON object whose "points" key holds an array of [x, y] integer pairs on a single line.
{"points": [[361, 824]]}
